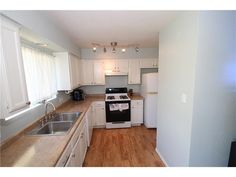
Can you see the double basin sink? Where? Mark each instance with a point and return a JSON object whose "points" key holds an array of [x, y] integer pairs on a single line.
{"points": [[59, 124]]}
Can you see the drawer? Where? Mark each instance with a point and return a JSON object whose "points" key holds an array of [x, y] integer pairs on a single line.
{"points": [[65, 156]]}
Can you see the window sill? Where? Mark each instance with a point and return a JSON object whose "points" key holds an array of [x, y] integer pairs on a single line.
{"points": [[16, 115]]}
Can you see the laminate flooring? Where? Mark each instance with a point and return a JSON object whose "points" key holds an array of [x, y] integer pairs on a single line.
{"points": [[130, 147]]}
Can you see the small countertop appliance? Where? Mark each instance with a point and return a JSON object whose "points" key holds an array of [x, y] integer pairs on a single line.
{"points": [[78, 95]]}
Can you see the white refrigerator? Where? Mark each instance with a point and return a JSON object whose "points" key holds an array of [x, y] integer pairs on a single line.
{"points": [[149, 92]]}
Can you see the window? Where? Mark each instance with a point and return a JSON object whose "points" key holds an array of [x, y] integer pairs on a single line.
{"points": [[40, 73]]}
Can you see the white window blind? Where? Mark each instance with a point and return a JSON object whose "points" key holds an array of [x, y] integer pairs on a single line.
{"points": [[40, 73]]}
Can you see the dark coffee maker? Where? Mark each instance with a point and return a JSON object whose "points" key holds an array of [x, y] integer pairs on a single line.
{"points": [[78, 95]]}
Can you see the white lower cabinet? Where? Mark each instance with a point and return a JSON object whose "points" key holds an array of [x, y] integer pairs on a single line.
{"points": [[79, 151], [136, 112], [89, 123], [99, 116], [74, 154]]}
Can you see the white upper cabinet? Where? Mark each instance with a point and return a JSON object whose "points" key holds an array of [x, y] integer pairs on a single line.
{"points": [[93, 72], [134, 72], [14, 95], [99, 76], [87, 72], [116, 67], [75, 71], [149, 63], [68, 71]]}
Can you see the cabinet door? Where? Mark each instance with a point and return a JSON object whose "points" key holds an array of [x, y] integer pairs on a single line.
{"points": [[79, 150], [136, 111], [122, 66], [87, 72], [99, 75], [148, 63], [109, 66], [13, 70], [99, 114], [89, 122], [63, 71], [134, 72], [155, 63], [79, 72], [74, 75]]}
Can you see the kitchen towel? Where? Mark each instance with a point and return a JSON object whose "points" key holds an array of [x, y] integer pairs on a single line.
{"points": [[119, 106]]}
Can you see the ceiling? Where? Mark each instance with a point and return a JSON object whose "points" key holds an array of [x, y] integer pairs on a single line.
{"points": [[103, 27]]}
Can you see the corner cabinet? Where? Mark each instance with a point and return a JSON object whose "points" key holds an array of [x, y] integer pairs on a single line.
{"points": [[149, 63], [134, 72], [93, 72], [14, 95], [136, 112], [68, 71]]}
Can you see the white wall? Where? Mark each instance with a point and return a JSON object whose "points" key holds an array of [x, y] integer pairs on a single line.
{"points": [[177, 58], [42, 26], [213, 126], [197, 57]]}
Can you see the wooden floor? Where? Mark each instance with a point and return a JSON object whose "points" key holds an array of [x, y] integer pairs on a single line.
{"points": [[131, 147]]}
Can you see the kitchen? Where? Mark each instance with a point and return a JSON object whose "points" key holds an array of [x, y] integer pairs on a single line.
{"points": [[108, 100], [81, 82]]}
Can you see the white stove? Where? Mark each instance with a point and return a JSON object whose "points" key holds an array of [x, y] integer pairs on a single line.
{"points": [[117, 108], [117, 97]]}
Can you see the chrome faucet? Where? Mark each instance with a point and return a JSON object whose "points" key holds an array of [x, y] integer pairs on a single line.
{"points": [[46, 107], [45, 119]]}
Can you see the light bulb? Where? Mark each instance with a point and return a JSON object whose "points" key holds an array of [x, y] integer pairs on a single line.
{"points": [[123, 50], [94, 49]]}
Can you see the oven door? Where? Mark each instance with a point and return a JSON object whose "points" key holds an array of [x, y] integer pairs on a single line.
{"points": [[117, 115]]}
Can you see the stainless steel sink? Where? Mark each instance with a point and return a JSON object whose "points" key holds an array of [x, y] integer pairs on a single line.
{"points": [[66, 116], [55, 128], [60, 124]]}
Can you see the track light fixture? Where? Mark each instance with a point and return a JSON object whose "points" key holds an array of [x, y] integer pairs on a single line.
{"points": [[114, 46]]}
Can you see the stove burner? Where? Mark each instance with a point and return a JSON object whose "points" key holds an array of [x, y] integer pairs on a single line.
{"points": [[123, 97], [110, 97]]}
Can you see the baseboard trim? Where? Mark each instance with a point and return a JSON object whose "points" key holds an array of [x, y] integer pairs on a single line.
{"points": [[163, 160]]}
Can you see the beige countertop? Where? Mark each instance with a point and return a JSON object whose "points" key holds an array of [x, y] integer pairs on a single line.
{"points": [[35, 151], [136, 97]]}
